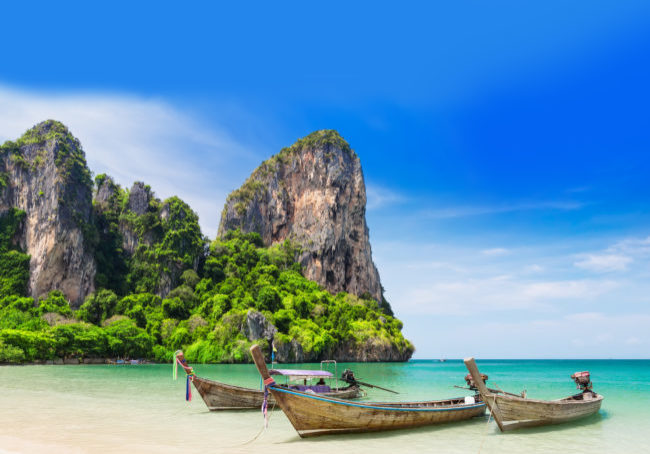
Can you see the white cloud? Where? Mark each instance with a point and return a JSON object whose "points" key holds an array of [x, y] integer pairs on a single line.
{"points": [[461, 280], [566, 290], [635, 246], [585, 317], [534, 268], [482, 210], [591, 334], [573, 335], [141, 139], [594, 335], [434, 265], [535, 293], [616, 257], [499, 293], [380, 197], [604, 262]]}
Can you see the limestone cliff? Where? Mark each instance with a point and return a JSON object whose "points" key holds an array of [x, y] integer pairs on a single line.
{"points": [[312, 193], [211, 301], [290, 350], [149, 243], [140, 200], [44, 174]]}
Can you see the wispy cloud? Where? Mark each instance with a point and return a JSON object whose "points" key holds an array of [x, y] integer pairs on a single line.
{"points": [[535, 293], [497, 251], [604, 262], [502, 293], [572, 335], [566, 290], [617, 257], [381, 196], [438, 266], [533, 268], [636, 246], [483, 210], [582, 335], [133, 138]]}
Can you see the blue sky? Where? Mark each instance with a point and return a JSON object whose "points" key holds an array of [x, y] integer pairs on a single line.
{"points": [[504, 145]]}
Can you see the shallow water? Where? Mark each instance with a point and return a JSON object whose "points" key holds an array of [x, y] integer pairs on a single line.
{"points": [[141, 409]]}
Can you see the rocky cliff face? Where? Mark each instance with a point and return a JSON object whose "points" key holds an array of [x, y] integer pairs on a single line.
{"points": [[215, 301], [168, 231], [374, 349], [139, 200], [44, 173], [312, 193]]}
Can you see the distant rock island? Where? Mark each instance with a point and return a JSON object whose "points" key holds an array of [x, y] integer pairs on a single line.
{"points": [[89, 269]]}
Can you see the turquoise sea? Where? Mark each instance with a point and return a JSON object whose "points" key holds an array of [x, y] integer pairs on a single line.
{"points": [[78, 409]]}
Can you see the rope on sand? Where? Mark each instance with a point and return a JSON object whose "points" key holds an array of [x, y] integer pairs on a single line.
{"points": [[486, 427], [264, 426]]}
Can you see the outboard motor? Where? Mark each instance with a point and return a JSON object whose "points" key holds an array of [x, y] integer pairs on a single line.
{"points": [[470, 381], [348, 376], [583, 381]]}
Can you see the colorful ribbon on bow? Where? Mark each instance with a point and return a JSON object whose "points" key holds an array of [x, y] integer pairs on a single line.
{"points": [[265, 404], [188, 388], [180, 360]]}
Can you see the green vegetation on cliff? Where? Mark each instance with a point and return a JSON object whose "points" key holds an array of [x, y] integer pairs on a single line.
{"points": [[29, 153], [166, 237], [206, 314], [253, 184], [69, 155], [14, 264], [110, 258], [317, 139], [159, 284]]}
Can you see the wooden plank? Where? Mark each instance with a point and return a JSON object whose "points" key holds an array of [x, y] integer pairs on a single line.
{"points": [[313, 415], [486, 395], [511, 411], [221, 396], [531, 412]]}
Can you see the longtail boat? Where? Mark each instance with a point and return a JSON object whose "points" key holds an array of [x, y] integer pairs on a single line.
{"points": [[511, 411], [312, 415], [221, 396]]}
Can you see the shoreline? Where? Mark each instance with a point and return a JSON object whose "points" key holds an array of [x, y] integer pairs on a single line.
{"points": [[77, 362], [111, 409], [108, 361]]}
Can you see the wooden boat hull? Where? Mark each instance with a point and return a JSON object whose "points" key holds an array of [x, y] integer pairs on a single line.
{"points": [[221, 396], [513, 412], [517, 412], [312, 415]]}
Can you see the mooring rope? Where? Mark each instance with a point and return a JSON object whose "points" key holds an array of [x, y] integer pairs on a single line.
{"points": [[263, 428], [267, 383], [486, 426], [257, 435]]}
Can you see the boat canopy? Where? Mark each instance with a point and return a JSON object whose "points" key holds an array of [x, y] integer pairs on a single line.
{"points": [[297, 374]]}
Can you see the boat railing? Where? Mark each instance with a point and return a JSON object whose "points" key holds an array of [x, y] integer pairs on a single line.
{"points": [[336, 374]]}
